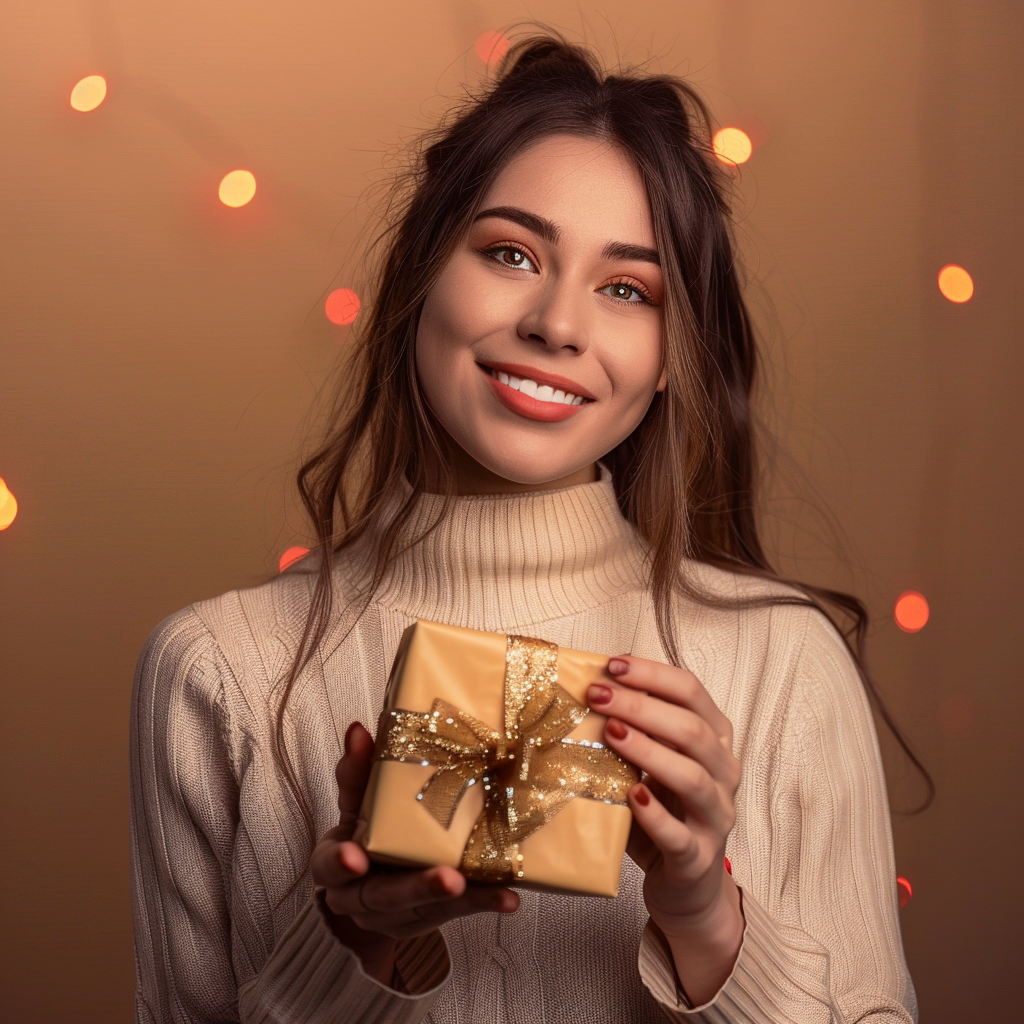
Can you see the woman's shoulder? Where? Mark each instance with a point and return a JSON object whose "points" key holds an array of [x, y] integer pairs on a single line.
{"points": [[247, 633], [778, 617]]}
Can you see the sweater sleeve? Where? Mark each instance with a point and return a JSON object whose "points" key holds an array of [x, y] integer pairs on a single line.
{"points": [[184, 820], [821, 941]]}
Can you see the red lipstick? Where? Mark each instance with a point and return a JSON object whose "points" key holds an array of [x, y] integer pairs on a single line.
{"points": [[527, 406]]}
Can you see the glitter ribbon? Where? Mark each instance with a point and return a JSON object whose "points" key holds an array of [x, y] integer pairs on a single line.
{"points": [[528, 773]]}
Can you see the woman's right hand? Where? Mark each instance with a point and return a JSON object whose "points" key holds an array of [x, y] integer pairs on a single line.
{"points": [[370, 910]]}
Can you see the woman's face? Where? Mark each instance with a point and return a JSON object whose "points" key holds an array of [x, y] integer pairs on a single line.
{"points": [[539, 348]]}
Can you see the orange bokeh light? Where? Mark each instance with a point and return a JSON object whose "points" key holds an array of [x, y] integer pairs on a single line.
{"points": [[342, 306], [905, 890], [290, 557], [237, 188], [8, 506], [89, 93], [491, 47], [911, 611], [732, 146], [955, 283]]}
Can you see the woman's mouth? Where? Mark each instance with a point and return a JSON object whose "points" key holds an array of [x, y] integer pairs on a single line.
{"points": [[535, 401]]}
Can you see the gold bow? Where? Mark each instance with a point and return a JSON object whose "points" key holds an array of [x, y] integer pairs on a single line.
{"points": [[528, 774]]}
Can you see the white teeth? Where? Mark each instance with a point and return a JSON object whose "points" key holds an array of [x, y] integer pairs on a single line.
{"points": [[542, 392]]}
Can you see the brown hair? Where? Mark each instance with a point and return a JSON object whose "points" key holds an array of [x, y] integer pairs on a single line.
{"points": [[685, 477]]}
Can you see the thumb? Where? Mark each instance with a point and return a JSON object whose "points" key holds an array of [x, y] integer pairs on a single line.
{"points": [[352, 773]]}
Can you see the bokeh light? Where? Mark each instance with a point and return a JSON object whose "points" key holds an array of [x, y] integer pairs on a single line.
{"points": [[290, 557], [732, 146], [911, 611], [342, 306], [237, 188], [955, 283], [905, 890], [491, 47], [8, 506], [89, 93]]}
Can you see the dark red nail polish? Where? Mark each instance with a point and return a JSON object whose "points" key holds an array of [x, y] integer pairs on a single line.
{"points": [[728, 866], [599, 693], [642, 795], [617, 666], [616, 729]]}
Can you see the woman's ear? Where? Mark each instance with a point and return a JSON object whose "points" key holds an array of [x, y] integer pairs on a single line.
{"points": [[662, 380]]}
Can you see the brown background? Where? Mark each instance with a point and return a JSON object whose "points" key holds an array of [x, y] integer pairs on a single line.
{"points": [[160, 354]]}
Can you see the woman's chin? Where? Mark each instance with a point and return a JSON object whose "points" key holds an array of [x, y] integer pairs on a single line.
{"points": [[533, 470]]}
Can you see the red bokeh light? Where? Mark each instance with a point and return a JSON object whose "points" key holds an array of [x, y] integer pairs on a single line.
{"points": [[911, 611], [290, 557], [905, 890], [342, 306], [491, 47]]}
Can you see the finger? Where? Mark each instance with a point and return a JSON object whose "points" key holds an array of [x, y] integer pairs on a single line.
{"points": [[335, 863], [687, 731], [676, 685], [476, 899], [689, 780], [428, 917], [673, 837], [398, 891], [352, 773]]}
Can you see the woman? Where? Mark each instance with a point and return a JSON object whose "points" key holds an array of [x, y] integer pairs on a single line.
{"points": [[550, 436]]}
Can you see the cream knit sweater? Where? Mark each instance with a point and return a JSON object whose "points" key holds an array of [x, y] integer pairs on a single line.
{"points": [[216, 841]]}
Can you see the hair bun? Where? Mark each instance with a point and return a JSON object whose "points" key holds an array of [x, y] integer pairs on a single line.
{"points": [[550, 48]]}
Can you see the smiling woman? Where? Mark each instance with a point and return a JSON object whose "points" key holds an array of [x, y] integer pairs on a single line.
{"points": [[548, 435], [542, 300]]}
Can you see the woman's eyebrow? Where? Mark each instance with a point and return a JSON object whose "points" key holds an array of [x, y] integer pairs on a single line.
{"points": [[550, 232], [626, 251], [547, 229]]}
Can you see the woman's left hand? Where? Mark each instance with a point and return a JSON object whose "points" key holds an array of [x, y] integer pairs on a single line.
{"points": [[663, 720]]}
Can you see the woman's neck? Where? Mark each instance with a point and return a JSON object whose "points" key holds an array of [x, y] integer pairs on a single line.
{"points": [[473, 478]]}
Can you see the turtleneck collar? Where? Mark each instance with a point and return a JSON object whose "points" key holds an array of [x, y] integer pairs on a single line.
{"points": [[495, 561]]}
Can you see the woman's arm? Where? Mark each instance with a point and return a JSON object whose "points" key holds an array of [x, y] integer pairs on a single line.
{"points": [[194, 936], [822, 937]]}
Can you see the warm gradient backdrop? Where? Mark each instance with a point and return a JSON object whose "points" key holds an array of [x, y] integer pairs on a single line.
{"points": [[160, 352]]}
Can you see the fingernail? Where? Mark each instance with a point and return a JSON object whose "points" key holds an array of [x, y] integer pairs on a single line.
{"points": [[642, 795], [617, 666], [599, 693], [616, 729]]}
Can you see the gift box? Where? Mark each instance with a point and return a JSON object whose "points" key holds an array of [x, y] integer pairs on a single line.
{"points": [[488, 759]]}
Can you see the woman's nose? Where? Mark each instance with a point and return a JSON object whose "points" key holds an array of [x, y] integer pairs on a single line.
{"points": [[556, 317]]}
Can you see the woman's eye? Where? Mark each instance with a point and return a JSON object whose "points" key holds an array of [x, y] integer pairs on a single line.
{"points": [[622, 292], [508, 256]]}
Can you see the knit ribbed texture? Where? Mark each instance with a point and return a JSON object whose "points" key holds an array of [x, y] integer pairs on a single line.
{"points": [[217, 841]]}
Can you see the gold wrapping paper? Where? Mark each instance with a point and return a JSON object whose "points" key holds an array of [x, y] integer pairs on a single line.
{"points": [[488, 760]]}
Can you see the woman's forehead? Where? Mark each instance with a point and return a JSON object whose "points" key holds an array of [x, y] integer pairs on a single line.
{"points": [[587, 187]]}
